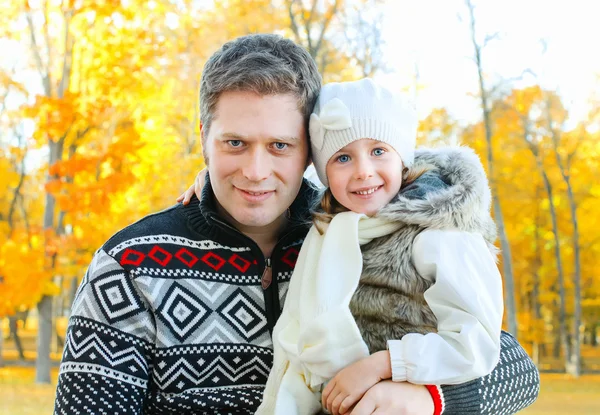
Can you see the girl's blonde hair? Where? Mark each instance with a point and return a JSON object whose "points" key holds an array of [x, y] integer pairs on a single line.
{"points": [[329, 206]]}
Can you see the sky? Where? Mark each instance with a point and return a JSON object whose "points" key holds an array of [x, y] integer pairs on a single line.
{"points": [[434, 35]]}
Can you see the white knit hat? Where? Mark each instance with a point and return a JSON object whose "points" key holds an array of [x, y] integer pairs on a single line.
{"points": [[348, 111]]}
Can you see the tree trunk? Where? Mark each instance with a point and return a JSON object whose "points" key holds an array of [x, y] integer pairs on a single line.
{"points": [[1, 344], [575, 357], [535, 300], [509, 286], [72, 292], [57, 341], [42, 364], [562, 315], [557, 346], [55, 146], [13, 324]]}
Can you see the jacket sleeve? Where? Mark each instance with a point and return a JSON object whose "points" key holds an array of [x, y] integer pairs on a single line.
{"points": [[513, 385], [466, 298], [108, 346]]}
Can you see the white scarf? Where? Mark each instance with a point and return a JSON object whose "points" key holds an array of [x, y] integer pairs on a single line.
{"points": [[316, 335]]}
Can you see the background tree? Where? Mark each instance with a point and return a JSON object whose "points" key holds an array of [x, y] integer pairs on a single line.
{"points": [[484, 96]]}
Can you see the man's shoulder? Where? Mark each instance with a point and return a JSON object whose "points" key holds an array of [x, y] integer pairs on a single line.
{"points": [[170, 222]]}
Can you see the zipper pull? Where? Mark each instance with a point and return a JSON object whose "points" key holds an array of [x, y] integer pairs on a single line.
{"points": [[267, 276]]}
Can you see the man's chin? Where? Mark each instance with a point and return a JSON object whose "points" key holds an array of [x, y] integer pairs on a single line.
{"points": [[256, 221]]}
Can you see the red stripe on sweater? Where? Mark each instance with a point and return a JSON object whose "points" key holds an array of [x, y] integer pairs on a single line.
{"points": [[438, 400]]}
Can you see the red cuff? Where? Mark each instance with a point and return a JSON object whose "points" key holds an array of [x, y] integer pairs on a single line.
{"points": [[438, 398]]}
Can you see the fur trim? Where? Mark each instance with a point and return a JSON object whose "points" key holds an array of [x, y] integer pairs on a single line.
{"points": [[464, 203]]}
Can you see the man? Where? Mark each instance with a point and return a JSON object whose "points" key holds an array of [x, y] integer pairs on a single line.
{"points": [[176, 311]]}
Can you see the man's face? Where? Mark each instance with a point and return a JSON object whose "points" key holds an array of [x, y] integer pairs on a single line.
{"points": [[257, 151]]}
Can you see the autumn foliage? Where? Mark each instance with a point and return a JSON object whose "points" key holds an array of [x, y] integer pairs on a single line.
{"points": [[99, 127]]}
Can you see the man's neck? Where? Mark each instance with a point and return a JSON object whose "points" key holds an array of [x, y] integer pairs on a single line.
{"points": [[265, 236]]}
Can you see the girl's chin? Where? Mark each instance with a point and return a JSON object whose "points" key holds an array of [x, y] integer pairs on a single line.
{"points": [[368, 212]]}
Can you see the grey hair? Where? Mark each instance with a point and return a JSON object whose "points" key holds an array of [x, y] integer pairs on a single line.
{"points": [[266, 64]]}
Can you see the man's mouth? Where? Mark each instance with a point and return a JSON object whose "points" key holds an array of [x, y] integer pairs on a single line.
{"points": [[255, 195]]}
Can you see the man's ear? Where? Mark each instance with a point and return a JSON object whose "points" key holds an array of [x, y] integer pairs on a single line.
{"points": [[203, 143]]}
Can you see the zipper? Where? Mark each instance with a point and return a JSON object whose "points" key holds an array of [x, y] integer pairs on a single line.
{"points": [[272, 304], [270, 290], [267, 276]]}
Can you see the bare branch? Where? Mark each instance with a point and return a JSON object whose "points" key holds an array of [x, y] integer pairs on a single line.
{"points": [[25, 217], [489, 38], [66, 66], [38, 58], [49, 51], [17, 190], [308, 26], [330, 13], [508, 81], [293, 21]]}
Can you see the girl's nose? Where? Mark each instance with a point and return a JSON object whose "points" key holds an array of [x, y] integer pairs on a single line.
{"points": [[364, 170]]}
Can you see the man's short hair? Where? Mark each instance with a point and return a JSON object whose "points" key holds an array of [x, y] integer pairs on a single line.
{"points": [[266, 64]]}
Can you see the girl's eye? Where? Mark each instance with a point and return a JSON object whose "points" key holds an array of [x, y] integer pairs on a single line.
{"points": [[280, 146], [343, 158], [379, 152], [235, 143]]}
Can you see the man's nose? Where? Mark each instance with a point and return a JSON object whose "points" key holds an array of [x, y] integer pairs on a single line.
{"points": [[258, 166]]}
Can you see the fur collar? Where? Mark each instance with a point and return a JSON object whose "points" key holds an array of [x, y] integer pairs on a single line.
{"points": [[454, 195]]}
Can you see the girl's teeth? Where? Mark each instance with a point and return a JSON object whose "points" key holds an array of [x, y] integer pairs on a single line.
{"points": [[367, 192]]}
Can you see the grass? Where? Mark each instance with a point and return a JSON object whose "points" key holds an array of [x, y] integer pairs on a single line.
{"points": [[559, 395], [19, 395]]}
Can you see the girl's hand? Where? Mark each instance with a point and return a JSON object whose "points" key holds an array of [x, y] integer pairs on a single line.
{"points": [[352, 382], [196, 188], [395, 398]]}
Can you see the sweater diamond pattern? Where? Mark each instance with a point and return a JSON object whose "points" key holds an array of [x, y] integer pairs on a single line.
{"points": [[182, 311], [243, 314]]}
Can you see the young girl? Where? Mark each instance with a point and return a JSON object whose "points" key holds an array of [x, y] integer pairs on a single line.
{"points": [[397, 277]]}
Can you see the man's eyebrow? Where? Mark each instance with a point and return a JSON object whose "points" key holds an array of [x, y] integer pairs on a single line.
{"points": [[236, 136], [285, 138]]}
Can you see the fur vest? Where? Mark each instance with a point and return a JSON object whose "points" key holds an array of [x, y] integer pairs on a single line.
{"points": [[389, 301]]}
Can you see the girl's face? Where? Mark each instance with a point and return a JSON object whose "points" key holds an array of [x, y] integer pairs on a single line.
{"points": [[365, 175]]}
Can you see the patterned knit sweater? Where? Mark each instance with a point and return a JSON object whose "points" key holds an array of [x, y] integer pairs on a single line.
{"points": [[175, 313]]}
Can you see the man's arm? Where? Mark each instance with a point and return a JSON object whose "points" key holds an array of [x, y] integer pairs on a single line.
{"points": [[105, 364], [512, 386]]}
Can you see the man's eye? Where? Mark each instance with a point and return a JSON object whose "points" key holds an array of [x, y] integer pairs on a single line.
{"points": [[343, 158], [280, 146], [235, 143], [379, 152]]}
